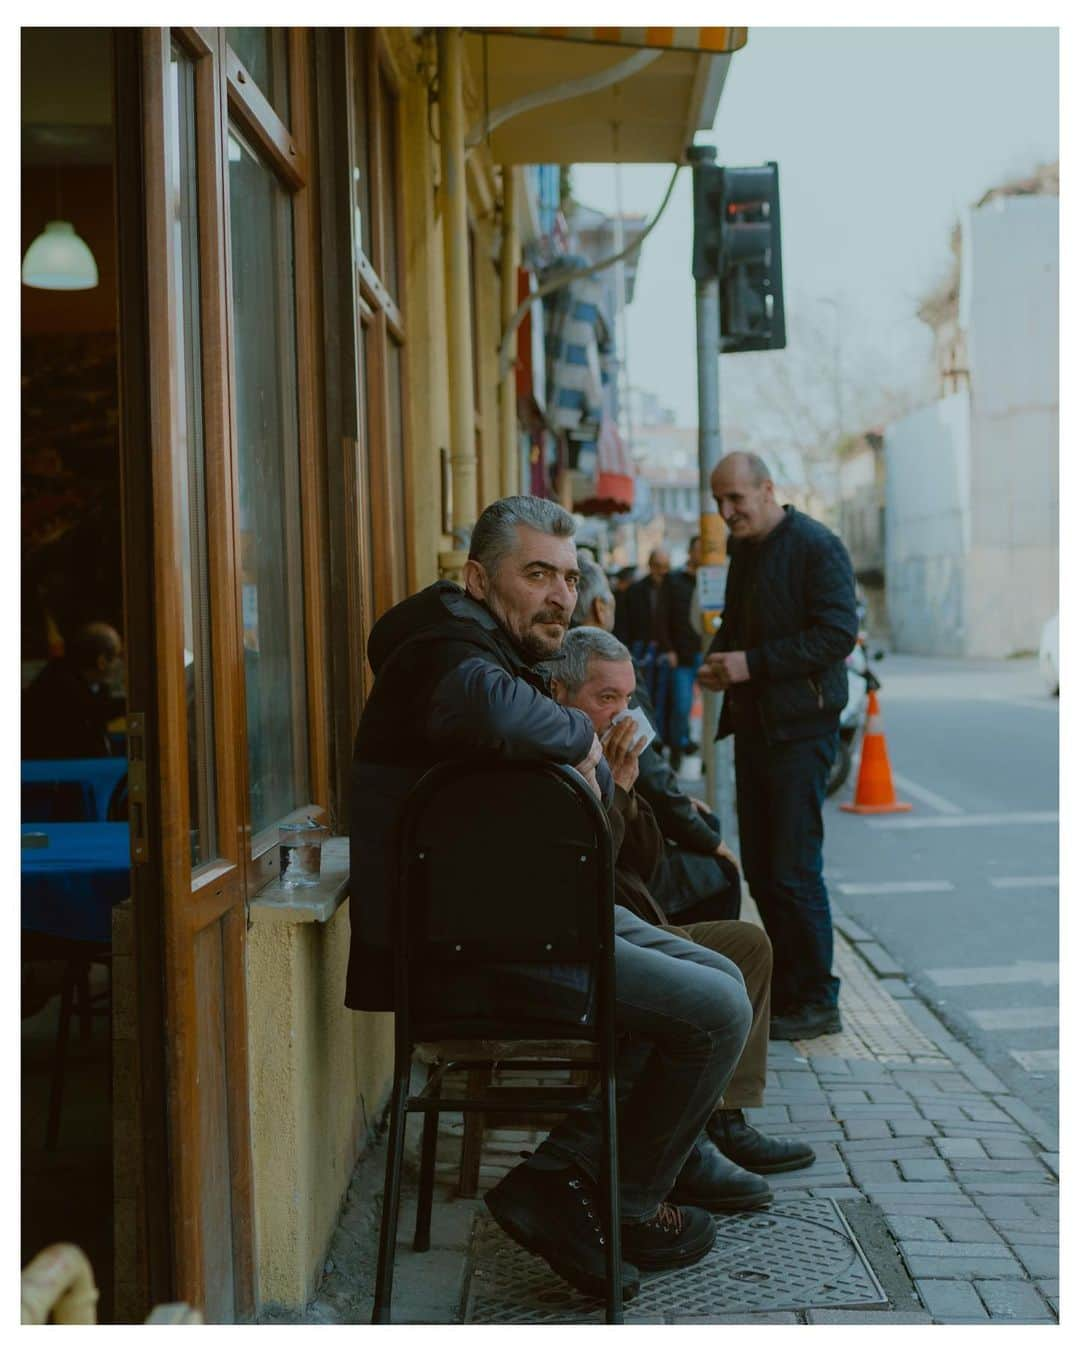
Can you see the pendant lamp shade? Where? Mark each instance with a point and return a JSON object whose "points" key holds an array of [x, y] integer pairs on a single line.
{"points": [[58, 260]]}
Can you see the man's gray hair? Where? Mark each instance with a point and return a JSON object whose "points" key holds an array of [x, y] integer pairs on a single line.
{"points": [[593, 585], [495, 533], [581, 648]]}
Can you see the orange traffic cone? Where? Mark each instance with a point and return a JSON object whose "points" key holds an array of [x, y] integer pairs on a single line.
{"points": [[874, 791]]}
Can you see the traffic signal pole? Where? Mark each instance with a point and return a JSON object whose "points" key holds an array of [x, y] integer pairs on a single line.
{"points": [[715, 756]]}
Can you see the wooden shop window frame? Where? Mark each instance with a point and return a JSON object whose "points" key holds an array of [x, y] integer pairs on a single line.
{"points": [[286, 150], [379, 314]]}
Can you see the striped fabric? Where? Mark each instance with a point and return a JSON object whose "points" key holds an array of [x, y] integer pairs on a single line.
{"points": [[676, 39], [574, 330]]}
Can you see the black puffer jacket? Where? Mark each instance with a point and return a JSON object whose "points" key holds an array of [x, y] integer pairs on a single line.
{"points": [[449, 684], [790, 605]]}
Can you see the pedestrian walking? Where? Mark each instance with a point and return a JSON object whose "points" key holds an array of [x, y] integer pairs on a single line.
{"points": [[687, 644], [789, 621], [650, 603]]}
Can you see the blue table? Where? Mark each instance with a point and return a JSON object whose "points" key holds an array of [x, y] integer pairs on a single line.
{"points": [[70, 886], [69, 789]]}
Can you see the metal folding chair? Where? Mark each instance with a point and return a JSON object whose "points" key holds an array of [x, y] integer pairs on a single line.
{"points": [[498, 866]]}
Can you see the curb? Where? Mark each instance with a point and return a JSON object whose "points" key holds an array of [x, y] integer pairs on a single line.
{"points": [[889, 972]]}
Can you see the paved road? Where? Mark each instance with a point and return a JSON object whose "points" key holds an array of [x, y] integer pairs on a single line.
{"points": [[963, 890]]}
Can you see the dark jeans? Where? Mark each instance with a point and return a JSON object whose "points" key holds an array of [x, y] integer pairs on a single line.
{"points": [[780, 789], [683, 677], [659, 681], [688, 1016]]}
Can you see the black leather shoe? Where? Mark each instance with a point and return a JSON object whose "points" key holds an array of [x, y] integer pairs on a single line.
{"points": [[557, 1216], [675, 1236], [737, 1139], [713, 1182], [808, 1022]]}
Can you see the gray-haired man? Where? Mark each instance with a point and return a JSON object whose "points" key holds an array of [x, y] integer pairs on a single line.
{"points": [[596, 675], [456, 676]]}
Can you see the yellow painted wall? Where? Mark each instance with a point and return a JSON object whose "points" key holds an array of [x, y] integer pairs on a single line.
{"points": [[319, 1075]]}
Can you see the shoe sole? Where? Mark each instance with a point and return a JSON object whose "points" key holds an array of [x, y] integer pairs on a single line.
{"points": [[726, 1205], [766, 1169], [526, 1237], [831, 1029], [677, 1259]]}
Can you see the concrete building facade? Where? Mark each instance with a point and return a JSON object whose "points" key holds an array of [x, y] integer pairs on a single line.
{"points": [[972, 481]]}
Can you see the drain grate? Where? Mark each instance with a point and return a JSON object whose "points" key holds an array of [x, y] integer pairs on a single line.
{"points": [[801, 1254]]}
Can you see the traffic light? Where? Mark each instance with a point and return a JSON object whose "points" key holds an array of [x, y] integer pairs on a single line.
{"points": [[737, 240]]}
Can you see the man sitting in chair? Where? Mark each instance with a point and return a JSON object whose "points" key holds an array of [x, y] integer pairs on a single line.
{"points": [[456, 676], [596, 674]]}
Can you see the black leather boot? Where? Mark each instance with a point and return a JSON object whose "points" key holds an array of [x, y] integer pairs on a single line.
{"points": [[737, 1139], [713, 1182]]}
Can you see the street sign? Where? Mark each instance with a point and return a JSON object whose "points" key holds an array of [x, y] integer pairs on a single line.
{"points": [[711, 585]]}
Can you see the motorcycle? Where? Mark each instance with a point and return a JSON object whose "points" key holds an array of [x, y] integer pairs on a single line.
{"points": [[861, 679]]}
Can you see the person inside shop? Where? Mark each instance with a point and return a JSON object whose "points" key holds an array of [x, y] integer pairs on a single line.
{"points": [[67, 708]]}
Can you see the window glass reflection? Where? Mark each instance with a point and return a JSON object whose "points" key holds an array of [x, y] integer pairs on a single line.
{"points": [[264, 308]]}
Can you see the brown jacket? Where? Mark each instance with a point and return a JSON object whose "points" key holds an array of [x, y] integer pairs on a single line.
{"points": [[639, 846]]}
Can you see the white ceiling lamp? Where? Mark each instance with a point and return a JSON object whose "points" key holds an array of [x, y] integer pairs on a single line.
{"points": [[58, 260]]}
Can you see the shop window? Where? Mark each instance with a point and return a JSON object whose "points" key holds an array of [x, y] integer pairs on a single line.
{"points": [[190, 460], [388, 151], [378, 253], [263, 52], [267, 430]]}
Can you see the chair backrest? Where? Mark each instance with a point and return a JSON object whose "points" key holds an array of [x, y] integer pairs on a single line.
{"points": [[502, 863]]}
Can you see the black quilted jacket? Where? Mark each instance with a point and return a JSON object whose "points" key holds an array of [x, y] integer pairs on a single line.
{"points": [[790, 605], [449, 684]]}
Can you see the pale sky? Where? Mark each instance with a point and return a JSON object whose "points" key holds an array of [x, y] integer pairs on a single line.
{"points": [[883, 136]]}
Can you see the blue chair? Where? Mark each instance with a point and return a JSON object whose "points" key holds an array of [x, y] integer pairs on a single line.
{"points": [[71, 789]]}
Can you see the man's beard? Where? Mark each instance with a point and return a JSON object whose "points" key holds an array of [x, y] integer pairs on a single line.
{"points": [[537, 648], [531, 644]]}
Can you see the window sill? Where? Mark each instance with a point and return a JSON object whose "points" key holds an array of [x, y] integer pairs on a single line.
{"points": [[308, 904]]}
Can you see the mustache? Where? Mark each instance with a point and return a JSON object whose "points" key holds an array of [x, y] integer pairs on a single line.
{"points": [[550, 616]]}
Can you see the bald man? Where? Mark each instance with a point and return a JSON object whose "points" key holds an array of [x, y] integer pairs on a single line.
{"points": [[66, 709], [789, 622]]}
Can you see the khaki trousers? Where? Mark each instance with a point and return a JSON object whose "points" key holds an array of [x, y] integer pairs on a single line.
{"points": [[749, 947]]}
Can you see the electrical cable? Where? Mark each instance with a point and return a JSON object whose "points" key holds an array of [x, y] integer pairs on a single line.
{"points": [[564, 279]]}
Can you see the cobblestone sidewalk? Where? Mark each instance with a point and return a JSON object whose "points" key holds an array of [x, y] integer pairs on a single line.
{"points": [[948, 1181]]}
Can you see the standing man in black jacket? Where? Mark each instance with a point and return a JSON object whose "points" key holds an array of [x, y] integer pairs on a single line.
{"points": [[789, 622], [457, 675]]}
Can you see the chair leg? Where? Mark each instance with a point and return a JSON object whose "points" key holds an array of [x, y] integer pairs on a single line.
{"points": [[63, 1029], [422, 1235], [611, 1196], [472, 1140], [86, 1011], [395, 1150]]}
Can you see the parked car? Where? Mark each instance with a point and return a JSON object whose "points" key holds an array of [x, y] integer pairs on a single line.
{"points": [[1048, 655]]}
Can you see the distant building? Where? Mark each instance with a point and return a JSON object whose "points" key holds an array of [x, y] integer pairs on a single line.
{"points": [[971, 497]]}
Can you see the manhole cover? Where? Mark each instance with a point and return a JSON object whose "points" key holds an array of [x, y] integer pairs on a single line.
{"points": [[796, 1255]]}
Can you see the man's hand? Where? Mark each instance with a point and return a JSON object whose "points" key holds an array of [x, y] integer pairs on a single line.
{"points": [[622, 746], [722, 851], [702, 808], [723, 669], [587, 767]]}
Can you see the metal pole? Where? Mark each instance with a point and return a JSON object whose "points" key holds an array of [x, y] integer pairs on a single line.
{"points": [[458, 300], [716, 758]]}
